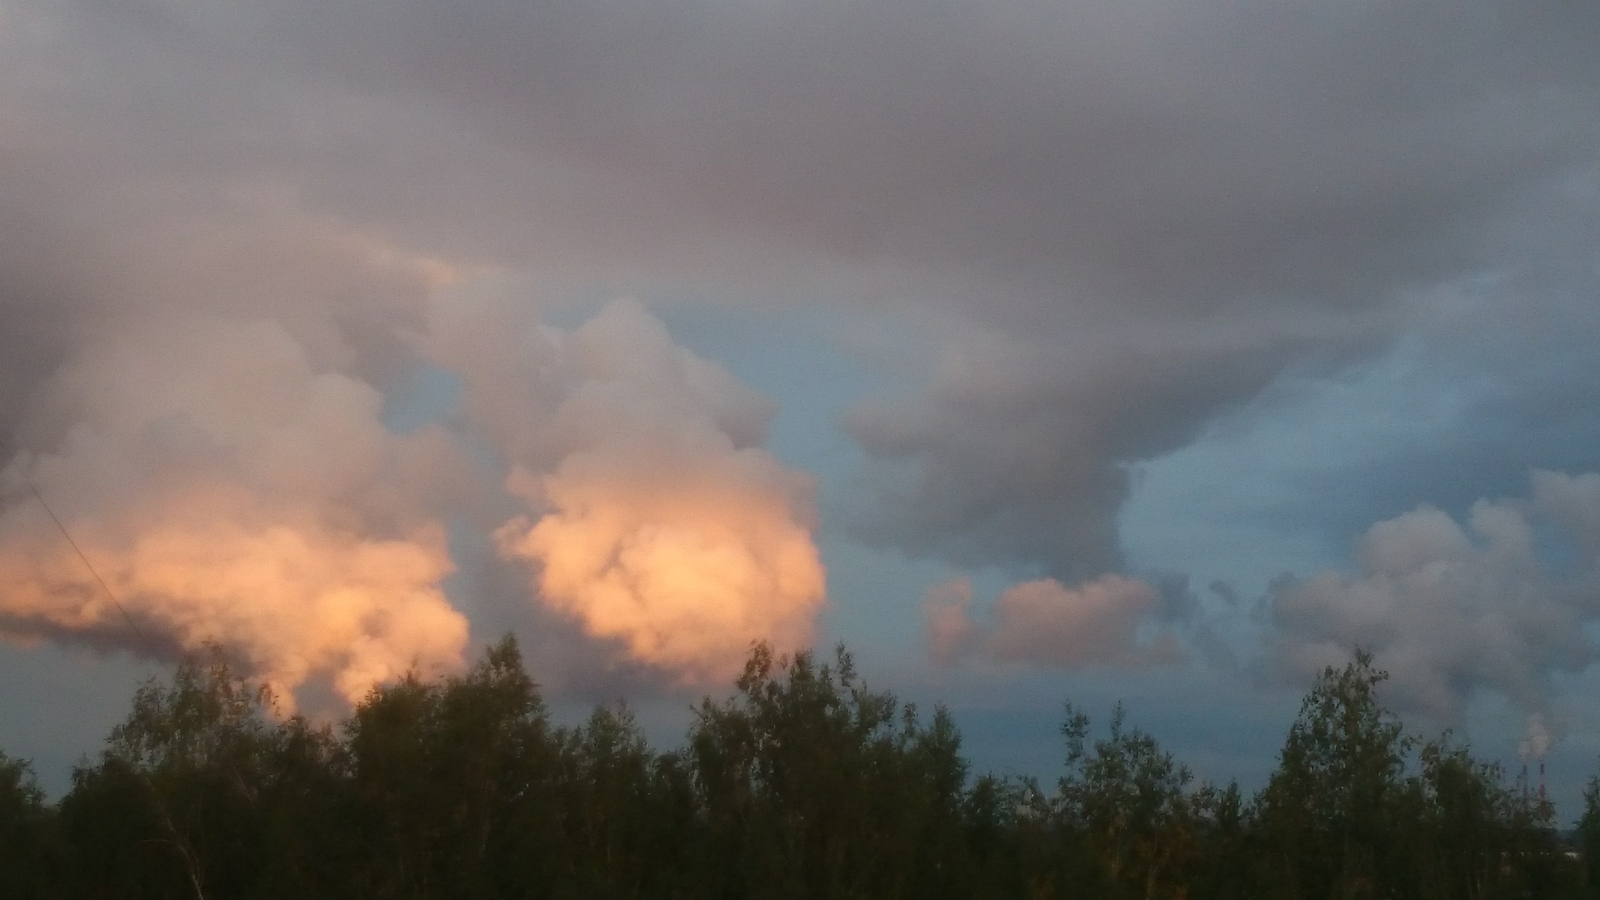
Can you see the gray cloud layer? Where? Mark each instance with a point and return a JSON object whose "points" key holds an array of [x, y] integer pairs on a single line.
{"points": [[1111, 220]]}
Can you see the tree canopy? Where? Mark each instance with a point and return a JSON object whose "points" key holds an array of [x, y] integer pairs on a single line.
{"points": [[803, 783]]}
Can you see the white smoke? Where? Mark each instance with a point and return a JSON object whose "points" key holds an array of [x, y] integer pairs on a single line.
{"points": [[1538, 736]]}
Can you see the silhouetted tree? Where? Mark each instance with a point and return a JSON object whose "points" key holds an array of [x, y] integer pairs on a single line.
{"points": [[27, 852], [1328, 811], [1589, 836], [452, 784], [1126, 803], [815, 787], [173, 806], [803, 784], [629, 815]]}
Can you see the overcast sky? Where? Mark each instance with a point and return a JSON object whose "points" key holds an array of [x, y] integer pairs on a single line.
{"points": [[1144, 350]]}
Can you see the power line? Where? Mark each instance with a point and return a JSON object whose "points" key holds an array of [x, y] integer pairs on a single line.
{"points": [[81, 555], [178, 841]]}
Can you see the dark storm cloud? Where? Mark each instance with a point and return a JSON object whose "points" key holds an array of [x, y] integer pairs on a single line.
{"points": [[1144, 211], [1013, 454], [1131, 151], [1115, 155]]}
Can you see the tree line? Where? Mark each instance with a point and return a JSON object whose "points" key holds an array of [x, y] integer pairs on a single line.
{"points": [[801, 784]]}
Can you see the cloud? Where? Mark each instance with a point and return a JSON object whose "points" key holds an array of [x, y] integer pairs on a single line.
{"points": [[1047, 623], [1159, 207], [686, 562], [233, 481], [655, 518], [1572, 502], [1145, 153], [948, 625], [1017, 448], [1118, 221], [1452, 611], [228, 492]]}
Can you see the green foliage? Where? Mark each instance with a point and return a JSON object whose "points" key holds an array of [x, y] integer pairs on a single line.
{"points": [[1358, 808], [628, 814], [1129, 801], [174, 807], [1328, 811], [450, 783], [802, 784], [25, 833], [819, 787], [1466, 821], [1589, 837]]}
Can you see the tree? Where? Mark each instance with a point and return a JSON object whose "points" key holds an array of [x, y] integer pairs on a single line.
{"points": [[26, 825], [1009, 837], [451, 784], [1589, 837], [1466, 828], [172, 807], [803, 784], [814, 786], [1328, 812], [1128, 801], [1225, 844], [628, 815]]}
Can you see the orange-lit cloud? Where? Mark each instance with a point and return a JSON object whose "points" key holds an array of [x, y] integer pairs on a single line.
{"points": [[1047, 623], [655, 518], [684, 565], [228, 492], [233, 487]]}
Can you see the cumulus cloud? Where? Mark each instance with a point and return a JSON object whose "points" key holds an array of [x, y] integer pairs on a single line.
{"points": [[1452, 610], [1047, 623], [1154, 208], [232, 490], [1119, 219], [228, 493], [654, 515], [1159, 206]]}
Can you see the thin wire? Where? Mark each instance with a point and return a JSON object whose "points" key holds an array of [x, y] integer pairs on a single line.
{"points": [[81, 555], [178, 841]]}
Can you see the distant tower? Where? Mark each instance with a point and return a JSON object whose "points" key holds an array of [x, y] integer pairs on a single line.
{"points": [[1536, 742]]}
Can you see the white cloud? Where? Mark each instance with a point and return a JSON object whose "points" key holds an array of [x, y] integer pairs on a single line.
{"points": [[1450, 610]]}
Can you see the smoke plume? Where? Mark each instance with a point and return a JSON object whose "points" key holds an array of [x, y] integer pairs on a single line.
{"points": [[1538, 736]]}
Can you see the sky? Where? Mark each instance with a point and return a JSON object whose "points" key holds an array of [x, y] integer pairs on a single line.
{"points": [[1141, 351]]}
